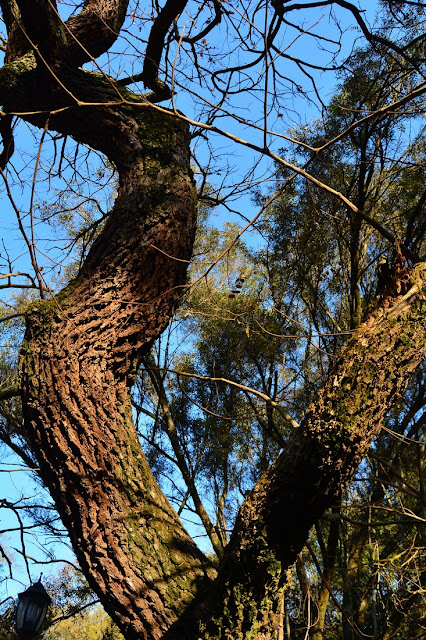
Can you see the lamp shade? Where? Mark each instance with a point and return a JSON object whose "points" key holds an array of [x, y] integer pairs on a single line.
{"points": [[31, 609]]}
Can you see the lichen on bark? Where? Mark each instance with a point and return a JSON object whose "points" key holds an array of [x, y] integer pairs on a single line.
{"points": [[318, 461]]}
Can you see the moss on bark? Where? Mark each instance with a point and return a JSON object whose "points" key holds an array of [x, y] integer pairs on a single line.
{"points": [[321, 457]]}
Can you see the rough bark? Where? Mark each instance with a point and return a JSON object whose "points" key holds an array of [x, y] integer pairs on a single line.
{"points": [[81, 350], [317, 463], [77, 363], [83, 37]]}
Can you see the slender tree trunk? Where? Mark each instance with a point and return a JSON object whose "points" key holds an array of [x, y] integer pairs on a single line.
{"points": [[329, 560], [281, 618], [170, 429], [305, 591]]}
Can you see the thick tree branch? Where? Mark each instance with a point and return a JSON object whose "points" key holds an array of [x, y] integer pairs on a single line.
{"points": [[171, 10], [95, 29], [44, 29], [10, 13], [16, 44], [319, 460], [7, 139], [84, 36]]}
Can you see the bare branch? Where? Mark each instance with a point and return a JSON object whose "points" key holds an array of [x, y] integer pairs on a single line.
{"points": [[154, 50]]}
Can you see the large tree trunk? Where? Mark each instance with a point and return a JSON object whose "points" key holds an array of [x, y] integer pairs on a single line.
{"points": [[319, 460], [78, 361]]}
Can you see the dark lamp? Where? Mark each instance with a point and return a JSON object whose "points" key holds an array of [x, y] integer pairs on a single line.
{"points": [[31, 610]]}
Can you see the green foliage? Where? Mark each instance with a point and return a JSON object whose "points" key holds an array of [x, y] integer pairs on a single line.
{"points": [[78, 214], [89, 625], [75, 612]]}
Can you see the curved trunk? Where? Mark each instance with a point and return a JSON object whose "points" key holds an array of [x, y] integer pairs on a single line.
{"points": [[78, 360]]}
